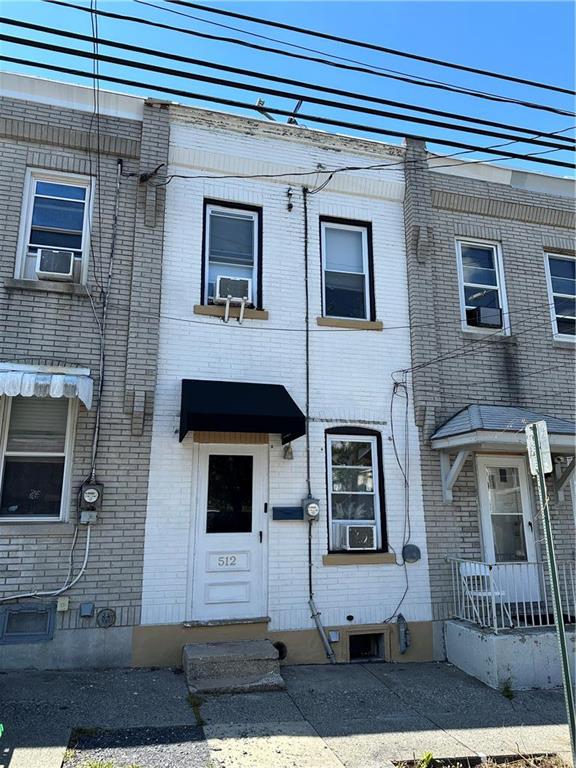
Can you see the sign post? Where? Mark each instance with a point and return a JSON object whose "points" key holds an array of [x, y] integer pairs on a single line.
{"points": [[540, 463]]}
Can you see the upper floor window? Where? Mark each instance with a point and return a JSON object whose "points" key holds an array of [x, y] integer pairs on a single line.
{"points": [[346, 269], [55, 227], [35, 443], [561, 274], [354, 501], [232, 254], [482, 297]]}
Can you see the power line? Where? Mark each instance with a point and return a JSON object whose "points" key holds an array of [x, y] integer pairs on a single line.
{"points": [[244, 105], [366, 69], [372, 46], [299, 83]]}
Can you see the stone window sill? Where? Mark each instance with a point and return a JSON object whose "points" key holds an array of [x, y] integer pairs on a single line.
{"points": [[45, 286], [494, 335], [358, 558], [32, 528], [217, 310], [565, 343], [357, 325]]}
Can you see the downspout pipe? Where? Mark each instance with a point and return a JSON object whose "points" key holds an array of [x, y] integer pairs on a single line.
{"points": [[315, 612]]}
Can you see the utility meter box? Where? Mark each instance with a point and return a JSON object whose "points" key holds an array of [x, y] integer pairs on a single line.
{"points": [[91, 497]]}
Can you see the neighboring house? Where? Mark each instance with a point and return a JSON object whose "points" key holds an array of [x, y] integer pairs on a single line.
{"points": [[79, 230], [283, 395], [492, 276]]}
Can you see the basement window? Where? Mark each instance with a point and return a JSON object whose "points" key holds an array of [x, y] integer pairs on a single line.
{"points": [[366, 647], [27, 623]]}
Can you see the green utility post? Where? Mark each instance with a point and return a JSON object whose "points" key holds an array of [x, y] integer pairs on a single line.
{"points": [[540, 463]]}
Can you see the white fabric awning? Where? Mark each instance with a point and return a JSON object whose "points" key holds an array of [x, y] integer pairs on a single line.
{"points": [[35, 384]]}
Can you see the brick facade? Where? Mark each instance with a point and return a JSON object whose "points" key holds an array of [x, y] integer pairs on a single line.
{"points": [[528, 368], [43, 324]]}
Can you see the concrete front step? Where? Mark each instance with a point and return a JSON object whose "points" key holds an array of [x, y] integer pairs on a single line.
{"points": [[250, 665], [271, 682]]}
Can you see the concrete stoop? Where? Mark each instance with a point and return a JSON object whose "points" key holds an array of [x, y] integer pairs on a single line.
{"points": [[250, 665]]}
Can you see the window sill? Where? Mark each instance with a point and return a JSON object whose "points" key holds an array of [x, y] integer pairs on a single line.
{"points": [[567, 343], [357, 325], [35, 528], [217, 310], [45, 286], [358, 558], [482, 333]]}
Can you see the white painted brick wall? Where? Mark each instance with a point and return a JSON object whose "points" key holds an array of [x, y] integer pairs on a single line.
{"points": [[350, 376]]}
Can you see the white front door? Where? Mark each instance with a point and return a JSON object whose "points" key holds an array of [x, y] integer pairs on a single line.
{"points": [[229, 553], [508, 527]]}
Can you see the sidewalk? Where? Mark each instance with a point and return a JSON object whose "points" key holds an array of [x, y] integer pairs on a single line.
{"points": [[358, 716]]}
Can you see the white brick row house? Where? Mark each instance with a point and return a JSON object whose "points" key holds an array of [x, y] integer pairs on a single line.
{"points": [[257, 409]]}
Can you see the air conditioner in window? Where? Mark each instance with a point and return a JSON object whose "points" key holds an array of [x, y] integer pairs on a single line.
{"points": [[484, 317], [54, 265], [236, 290], [361, 537]]}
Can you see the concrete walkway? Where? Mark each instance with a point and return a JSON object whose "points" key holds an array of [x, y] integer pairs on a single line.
{"points": [[358, 716]]}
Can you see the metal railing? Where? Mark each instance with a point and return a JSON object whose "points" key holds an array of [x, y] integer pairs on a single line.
{"points": [[510, 595]]}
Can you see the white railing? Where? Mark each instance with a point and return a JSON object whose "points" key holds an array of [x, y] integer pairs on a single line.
{"points": [[510, 595]]}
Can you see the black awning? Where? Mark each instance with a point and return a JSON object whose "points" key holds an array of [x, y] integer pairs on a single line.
{"points": [[233, 406]]}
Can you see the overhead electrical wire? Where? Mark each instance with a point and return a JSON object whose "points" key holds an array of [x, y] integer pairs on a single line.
{"points": [[366, 69], [289, 81], [370, 46], [243, 105]]}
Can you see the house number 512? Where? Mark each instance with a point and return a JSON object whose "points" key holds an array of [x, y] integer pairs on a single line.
{"points": [[225, 560]]}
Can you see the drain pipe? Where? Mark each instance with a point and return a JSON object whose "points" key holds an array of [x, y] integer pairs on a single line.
{"points": [[310, 504]]}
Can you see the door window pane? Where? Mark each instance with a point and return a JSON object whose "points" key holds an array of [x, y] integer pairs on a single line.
{"points": [[506, 514], [509, 541], [229, 494]]}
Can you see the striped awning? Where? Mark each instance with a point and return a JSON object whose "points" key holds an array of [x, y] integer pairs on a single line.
{"points": [[37, 384]]}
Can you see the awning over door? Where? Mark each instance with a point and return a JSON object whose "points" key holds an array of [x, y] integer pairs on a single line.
{"points": [[480, 428], [230, 406], [38, 384]]}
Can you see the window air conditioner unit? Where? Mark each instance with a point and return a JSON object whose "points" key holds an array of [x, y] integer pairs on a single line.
{"points": [[361, 537], [484, 317], [54, 265], [236, 289]]}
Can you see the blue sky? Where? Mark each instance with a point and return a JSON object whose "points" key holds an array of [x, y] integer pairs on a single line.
{"points": [[534, 40]]}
